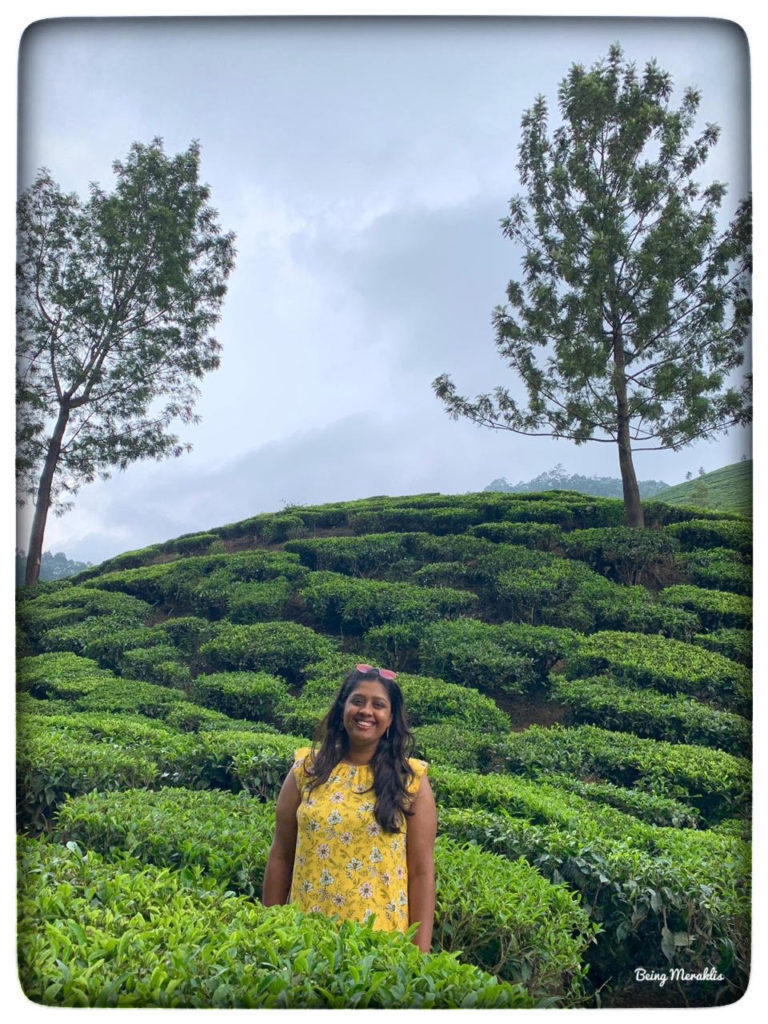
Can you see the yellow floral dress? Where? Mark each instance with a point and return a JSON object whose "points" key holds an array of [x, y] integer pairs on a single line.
{"points": [[345, 863]]}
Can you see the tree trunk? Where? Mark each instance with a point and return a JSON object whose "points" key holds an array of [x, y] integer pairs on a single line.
{"points": [[633, 507], [43, 501]]}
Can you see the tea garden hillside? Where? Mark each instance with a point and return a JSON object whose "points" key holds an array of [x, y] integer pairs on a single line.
{"points": [[581, 690]]}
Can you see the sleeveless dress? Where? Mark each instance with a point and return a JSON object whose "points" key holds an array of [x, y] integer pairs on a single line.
{"points": [[345, 864]]}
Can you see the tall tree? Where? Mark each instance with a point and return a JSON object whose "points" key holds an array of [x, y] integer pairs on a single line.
{"points": [[633, 311], [116, 299]]}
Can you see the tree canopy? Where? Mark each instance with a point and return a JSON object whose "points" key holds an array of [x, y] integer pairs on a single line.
{"points": [[117, 296], [630, 321]]}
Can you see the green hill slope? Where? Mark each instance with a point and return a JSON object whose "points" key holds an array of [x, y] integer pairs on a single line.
{"points": [[581, 691], [728, 490]]}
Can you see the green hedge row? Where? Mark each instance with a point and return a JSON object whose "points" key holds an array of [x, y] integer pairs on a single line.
{"points": [[279, 648], [95, 932], [718, 569], [663, 664], [513, 923], [679, 900], [715, 782], [716, 609], [339, 602], [69, 604], [599, 701], [735, 644], [706, 533], [622, 553], [511, 658]]}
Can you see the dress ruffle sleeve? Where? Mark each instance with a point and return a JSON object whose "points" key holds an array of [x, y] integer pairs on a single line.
{"points": [[299, 766], [419, 768]]}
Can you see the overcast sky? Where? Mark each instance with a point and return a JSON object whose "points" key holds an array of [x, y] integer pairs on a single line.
{"points": [[364, 165]]}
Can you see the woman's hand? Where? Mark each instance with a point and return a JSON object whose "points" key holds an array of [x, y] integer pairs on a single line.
{"points": [[420, 848], [279, 872]]}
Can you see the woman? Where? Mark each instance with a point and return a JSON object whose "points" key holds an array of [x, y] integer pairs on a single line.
{"points": [[356, 819]]}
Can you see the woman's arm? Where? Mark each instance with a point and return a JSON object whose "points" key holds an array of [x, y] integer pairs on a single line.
{"points": [[277, 877], [420, 848]]}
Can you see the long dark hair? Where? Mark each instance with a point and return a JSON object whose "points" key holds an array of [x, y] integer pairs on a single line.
{"points": [[391, 770]]}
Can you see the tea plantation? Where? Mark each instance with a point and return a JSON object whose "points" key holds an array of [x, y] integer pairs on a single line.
{"points": [[582, 692]]}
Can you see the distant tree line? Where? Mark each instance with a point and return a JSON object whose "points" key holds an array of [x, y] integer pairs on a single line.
{"points": [[558, 480], [52, 567]]}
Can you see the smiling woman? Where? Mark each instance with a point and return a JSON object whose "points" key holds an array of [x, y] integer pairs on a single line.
{"points": [[356, 819]]}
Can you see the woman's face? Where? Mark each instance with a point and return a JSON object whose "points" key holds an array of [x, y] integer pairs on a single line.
{"points": [[367, 713]]}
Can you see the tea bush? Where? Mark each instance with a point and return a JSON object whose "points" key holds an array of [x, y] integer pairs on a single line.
{"points": [[735, 644], [715, 782], [598, 701], [69, 604], [352, 556], [254, 696], [146, 937], [279, 648], [718, 569], [706, 533], [510, 921], [662, 664], [649, 807], [340, 602], [162, 664], [258, 602], [717, 609], [682, 901], [625, 554], [543, 536]]}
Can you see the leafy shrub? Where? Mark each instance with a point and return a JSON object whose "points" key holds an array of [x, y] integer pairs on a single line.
{"points": [[341, 602], [394, 645], [187, 632], [717, 609], [353, 556], [255, 696], [598, 701], [656, 810], [510, 658], [162, 664], [228, 835], [735, 644], [661, 664], [280, 648], [715, 782], [625, 554], [189, 544], [707, 533], [509, 921], [258, 602], [542, 536], [280, 528], [718, 569], [59, 675], [69, 604], [109, 648], [439, 521], [450, 743], [148, 937], [681, 898], [568, 510]]}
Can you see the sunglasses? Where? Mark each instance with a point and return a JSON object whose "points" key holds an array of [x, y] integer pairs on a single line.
{"points": [[385, 673]]}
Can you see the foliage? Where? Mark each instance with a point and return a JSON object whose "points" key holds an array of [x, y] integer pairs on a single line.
{"points": [[623, 554], [729, 489], [117, 297], [148, 937], [632, 310], [281, 648], [680, 899], [715, 782], [709, 533], [735, 644], [718, 569], [256, 696], [598, 701], [666, 665], [341, 602], [717, 609]]}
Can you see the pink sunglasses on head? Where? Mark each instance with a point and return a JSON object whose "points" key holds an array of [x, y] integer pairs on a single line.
{"points": [[385, 673]]}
